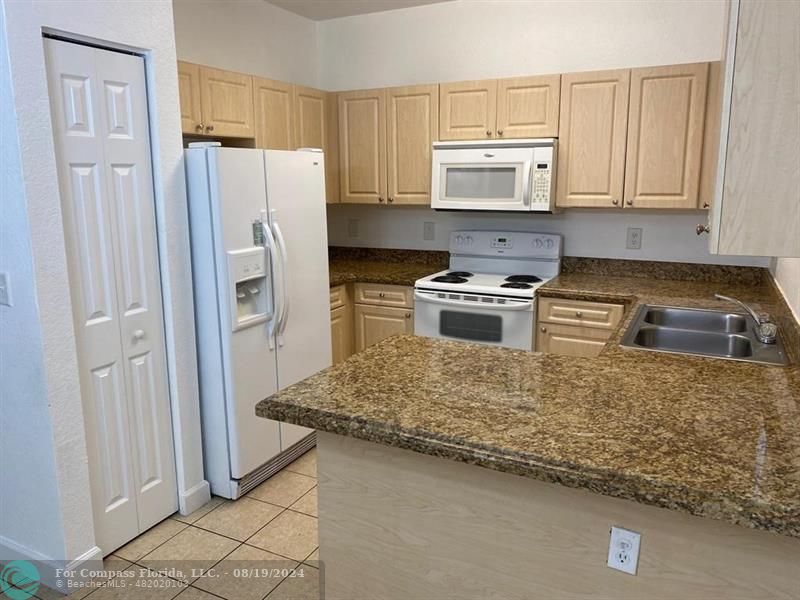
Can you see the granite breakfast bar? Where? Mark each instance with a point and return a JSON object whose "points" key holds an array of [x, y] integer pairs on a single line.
{"points": [[476, 472]]}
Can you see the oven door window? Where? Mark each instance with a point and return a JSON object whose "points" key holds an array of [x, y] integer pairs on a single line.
{"points": [[469, 326], [485, 183]]}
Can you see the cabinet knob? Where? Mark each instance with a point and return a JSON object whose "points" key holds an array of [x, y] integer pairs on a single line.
{"points": [[408, 315], [138, 335], [615, 202], [488, 133], [390, 200], [701, 229], [380, 199], [209, 128], [579, 314], [706, 205], [499, 132], [543, 329], [629, 202], [199, 128]]}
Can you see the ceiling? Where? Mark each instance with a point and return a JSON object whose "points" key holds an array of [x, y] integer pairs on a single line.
{"points": [[321, 10]]}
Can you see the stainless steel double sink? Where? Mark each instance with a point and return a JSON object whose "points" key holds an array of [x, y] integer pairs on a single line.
{"points": [[700, 332]]}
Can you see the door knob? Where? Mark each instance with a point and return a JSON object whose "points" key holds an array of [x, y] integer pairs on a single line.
{"points": [[138, 335]]}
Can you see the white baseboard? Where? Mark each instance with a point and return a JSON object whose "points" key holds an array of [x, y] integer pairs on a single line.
{"points": [[50, 569], [193, 498]]}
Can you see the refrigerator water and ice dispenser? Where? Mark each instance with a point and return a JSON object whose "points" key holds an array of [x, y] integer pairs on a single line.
{"points": [[248, 274]]}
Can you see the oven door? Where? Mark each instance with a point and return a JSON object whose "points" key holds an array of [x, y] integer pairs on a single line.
{"points": [[481, 179], [474, 318]]}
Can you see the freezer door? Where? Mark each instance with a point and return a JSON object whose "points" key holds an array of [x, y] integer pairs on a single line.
{"points": [[296, 198], [238, 202]]}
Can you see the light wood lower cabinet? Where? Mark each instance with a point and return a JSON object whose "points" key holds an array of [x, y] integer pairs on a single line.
{"points": [[342, 333], [575, 327], [375, 323]]}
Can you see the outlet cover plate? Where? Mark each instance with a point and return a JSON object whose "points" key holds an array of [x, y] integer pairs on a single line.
{"points": [[634, 238], [352, 228], [623, 550], [429, 231]]}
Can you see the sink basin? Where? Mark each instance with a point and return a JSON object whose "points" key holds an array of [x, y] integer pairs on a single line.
{"points": [[695, 319], [693, 331], [694, 342]]}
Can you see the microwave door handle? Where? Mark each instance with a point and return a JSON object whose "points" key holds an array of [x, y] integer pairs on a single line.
{"points": [[426, 298], [527, 173]]}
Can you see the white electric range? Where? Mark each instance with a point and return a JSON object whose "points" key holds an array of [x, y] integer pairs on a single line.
{"points": [[488, 295]]}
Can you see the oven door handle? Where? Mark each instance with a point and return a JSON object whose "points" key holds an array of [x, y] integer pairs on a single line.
{"points": [[525, 305]]}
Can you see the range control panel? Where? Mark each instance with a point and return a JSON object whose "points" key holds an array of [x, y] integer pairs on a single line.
{"points": [[517, 244]]}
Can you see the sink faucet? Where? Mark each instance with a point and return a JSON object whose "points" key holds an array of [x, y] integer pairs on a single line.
{"points": [[766, 331]]}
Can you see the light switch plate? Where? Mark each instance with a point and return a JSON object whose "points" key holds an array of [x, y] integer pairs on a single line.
{"points": [[5, 290], [623, 550], [429, 231], [634, 239]]}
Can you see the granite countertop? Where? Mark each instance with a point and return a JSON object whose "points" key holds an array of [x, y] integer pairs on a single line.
{"points": [[377, 271], [714, 438]]}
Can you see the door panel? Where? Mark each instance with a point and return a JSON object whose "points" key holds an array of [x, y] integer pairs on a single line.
{"points": [[665, 136], [362, 146], [591, 143], [274, 114], [413, 125], [227, 103], [189, 93], [102, 142], [571, 341], [342, 333], [375, 323], [468, 110], [527, 107], [309, 118]]}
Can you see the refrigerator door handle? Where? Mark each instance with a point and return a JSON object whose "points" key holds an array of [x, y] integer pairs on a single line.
{"points": [[277, 295], [284, 283]]}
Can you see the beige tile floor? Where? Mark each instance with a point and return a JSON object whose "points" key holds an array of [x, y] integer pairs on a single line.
{"points": [[274, 526]]}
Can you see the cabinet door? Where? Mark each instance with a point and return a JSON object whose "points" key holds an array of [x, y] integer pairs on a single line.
{"points": [[274, 122], [189, 92], [665, 136], [362, 146], [570, 341], [468, 110], [413, 125], [341, 333], [332, 190], [375, 323], [309, 117], [591, 144], [227, 103], [527, 107]]}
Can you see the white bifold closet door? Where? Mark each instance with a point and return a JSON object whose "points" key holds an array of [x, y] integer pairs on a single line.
{"points": [[98, 101]]}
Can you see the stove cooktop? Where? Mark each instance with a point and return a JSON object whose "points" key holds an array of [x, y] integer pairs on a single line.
{"points": [[518, 285]]}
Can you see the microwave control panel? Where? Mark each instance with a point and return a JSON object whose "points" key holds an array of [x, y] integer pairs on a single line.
{"points": [[542, 175]]}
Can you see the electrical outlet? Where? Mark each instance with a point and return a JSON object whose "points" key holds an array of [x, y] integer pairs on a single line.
{"points": [[352, 228], [5, 290], [634, 240], [429, 231], [623, 550]]}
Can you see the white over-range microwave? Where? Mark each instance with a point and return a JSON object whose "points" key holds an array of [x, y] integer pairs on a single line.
{"points": [[499, 175]]}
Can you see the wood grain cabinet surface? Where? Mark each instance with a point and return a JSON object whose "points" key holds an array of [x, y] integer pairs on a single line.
{"points": [[226, 99], [527, 107], [575, 327], [362, 146], [665, 136], [342, 334], [274, 114], [412, 126], [591, 143], [189, 95], [376, 323], [468, 110]]}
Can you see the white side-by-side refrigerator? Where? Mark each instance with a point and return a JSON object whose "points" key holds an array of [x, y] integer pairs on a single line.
{"points": [[262, 302]]}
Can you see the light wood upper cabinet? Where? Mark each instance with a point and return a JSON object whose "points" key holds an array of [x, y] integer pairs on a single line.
{"points": [[527, 107], [362, 146], [226, 99], [309, 117], [412, 126], [665, 136], [189, 93], [756, 210], [468, 110], [591, 144], [332, 166], [274, 114]]}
